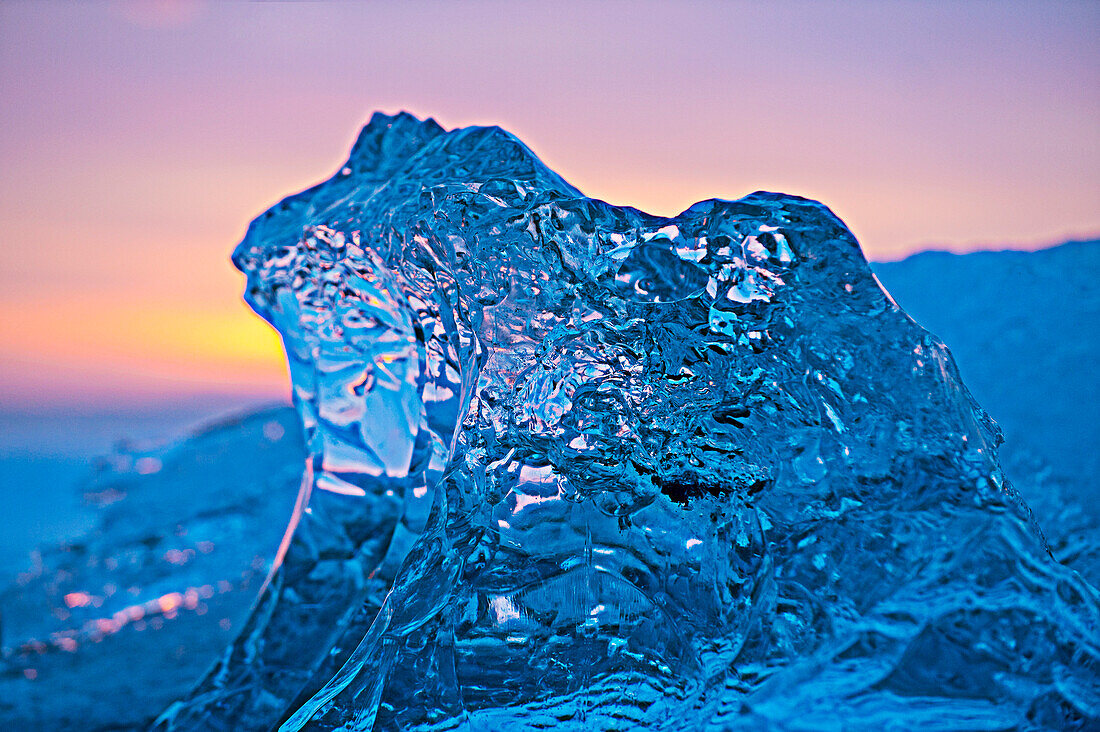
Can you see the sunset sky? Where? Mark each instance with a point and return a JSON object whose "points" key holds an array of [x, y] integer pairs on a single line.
{"points": [[138, 139]]}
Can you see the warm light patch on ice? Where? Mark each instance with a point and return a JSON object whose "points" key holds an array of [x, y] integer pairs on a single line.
{"points": [[78, 599], [273, 431], [504, 609], [151, 614], [523, 500]]}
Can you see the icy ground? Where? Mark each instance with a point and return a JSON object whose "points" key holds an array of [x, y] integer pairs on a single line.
{"points": [[104, 630]]}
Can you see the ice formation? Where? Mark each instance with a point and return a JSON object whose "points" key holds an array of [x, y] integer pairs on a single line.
{"points": [[574, 466], [1031, 361]]}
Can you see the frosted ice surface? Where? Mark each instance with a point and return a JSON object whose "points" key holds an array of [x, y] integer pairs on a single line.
{"points": [[574, 466]]}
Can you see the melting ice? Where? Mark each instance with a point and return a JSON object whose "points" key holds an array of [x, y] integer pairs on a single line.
{"points": [[575, 466]]}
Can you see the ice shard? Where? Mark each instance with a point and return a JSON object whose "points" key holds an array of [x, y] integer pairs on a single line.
{"points": [[577, 466]]}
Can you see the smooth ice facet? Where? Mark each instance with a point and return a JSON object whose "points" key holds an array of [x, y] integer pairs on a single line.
{"points": [[574, 466]]}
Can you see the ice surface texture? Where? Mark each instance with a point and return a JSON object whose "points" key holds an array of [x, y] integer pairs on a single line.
{"points": [[574, 466], [1031, 358]]}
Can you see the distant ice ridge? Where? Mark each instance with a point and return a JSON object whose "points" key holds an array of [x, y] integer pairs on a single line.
{"points": [[1025, 329], [575, 466]]}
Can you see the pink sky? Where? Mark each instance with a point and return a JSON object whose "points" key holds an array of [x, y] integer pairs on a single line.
{"points": [[138, 140]]}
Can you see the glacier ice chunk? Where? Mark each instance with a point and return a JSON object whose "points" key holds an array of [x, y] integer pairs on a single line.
{"points": [[576, 466]]}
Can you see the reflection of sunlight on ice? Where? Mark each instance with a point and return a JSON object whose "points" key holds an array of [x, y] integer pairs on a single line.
{"points": [[273, 431], [332, 484], [530, 479], [523, 500], [504, 609], [78, 599], [140, 616], [179, 556]]}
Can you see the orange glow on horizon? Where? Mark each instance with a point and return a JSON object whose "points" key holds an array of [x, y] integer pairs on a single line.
{"points": [[139, 330], [136, 347]]}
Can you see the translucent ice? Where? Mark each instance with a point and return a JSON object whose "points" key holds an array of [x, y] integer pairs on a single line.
{"points": [[576, 466]]}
